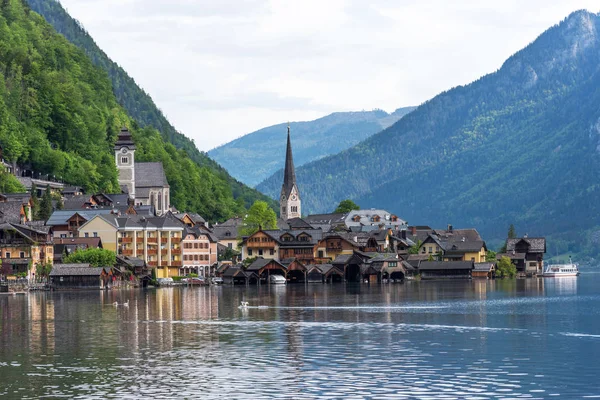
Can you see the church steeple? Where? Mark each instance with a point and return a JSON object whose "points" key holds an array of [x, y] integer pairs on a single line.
{"points": [[290, 196], [289, 175]]}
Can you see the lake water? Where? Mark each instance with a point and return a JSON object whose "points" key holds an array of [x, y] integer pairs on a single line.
{"points": [[535, 338]]}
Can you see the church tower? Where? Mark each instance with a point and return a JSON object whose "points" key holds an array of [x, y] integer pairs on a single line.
{"points": [[125, 159], [290, 196]]}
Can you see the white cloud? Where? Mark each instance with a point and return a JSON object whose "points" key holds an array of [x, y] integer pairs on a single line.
{"points": [[220, 69]]}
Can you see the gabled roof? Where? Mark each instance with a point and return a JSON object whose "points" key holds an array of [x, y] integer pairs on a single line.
{"points": [[315, 235], [484, 266], [196, 232], [260, 263], [62, 216], [75, 270], [10, 211], [131, 261], [150, 174], [536, 244]]}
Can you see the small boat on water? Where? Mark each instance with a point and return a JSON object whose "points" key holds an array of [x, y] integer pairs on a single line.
{"points": [[277, 280], [558, 270]]}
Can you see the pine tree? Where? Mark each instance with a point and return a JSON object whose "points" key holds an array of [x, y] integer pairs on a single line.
{"points": [[45, 205], [511, 232]]}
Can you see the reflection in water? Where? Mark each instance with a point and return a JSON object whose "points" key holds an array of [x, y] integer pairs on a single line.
{"points": [[516, 338]]}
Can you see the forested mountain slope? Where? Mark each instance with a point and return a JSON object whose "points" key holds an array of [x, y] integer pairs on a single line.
{"points": [[135, 100], [257, 155], [58, 114], [519, 145]]}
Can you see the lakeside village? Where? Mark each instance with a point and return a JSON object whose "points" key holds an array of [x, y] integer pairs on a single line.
{"points": [[151, 243]]}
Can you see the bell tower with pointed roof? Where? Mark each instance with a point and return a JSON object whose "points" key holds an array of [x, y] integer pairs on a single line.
{"points": [[290, 195]]}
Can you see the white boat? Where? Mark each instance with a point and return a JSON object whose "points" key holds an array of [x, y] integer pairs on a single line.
{"points": [[277, 280], [557, 270]]}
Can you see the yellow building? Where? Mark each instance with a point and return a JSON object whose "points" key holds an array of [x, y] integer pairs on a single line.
{"points": [[156, 240], [454, 245], [22, 248]]}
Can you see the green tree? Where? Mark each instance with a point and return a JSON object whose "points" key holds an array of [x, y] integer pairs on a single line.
{"points": [[93, 256], [10, 184], [490, 256], [259, 216], [45, 209], [505, 268], [346, 206], [511, 232], [42, 270], [415, 249]]}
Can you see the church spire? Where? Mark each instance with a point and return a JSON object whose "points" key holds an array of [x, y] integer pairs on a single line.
{"points": [[290, 195], [289, 176]]}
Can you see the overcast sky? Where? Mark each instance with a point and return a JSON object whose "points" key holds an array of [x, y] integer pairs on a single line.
{"points": [[223, 68]]}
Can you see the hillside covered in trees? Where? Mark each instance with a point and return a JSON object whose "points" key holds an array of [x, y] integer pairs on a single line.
{"points": [[136, 102], [520, 145], [59, 115], [257, 155]]}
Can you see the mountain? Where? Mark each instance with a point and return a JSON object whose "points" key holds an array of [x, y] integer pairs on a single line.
{"points": [[312, 140], [59, 115], [135, 100], [520, 145]]}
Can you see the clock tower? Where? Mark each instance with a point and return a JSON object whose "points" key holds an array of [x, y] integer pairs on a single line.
{"points": [[290, 195], [125, 159]]}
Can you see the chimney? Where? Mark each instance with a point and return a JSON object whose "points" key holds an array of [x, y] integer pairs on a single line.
{"points": [[356, 239], [450, 229], [413, 230]]}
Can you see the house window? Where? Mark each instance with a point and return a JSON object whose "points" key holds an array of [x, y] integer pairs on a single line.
{"points": [[320, 253], [423, 250], [96, 234], [260, 252], [230, 245], [249, 252], [7, 255], [124, 160], [22, 254], [430, 249], [87, 234], [63, 235], [272, 251]]}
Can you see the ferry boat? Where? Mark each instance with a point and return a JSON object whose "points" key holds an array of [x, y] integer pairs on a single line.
{"points": [[557, 270]]}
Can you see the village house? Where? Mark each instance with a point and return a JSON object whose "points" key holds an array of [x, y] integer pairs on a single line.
{"points": [[199, 251], [445, 269], [22, 248], [454, 245], [66, 223], [526, 253], [67, 246], [228, 233], [79, 276]]}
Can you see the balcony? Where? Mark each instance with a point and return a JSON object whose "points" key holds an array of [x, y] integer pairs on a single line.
{"points": [[176, 251], [164, 252], [164, 240], [126, 240], [176, 264], [152, 263], [127, 252], [140, 240], [152, 240], [152, 252]]}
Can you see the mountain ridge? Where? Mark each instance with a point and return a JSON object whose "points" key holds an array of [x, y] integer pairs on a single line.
{"points": [[311, 140], [460, 157]]}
